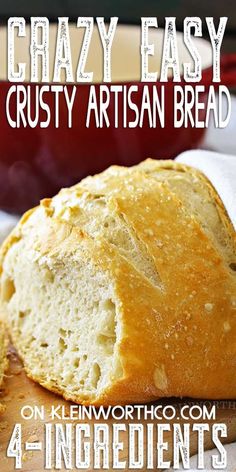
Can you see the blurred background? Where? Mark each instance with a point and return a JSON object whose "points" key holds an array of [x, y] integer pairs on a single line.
{"points": [[128, 11]]}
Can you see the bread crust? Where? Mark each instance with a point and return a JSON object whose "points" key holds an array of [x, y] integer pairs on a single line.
{"points": [[178, 337], [3, 358]]}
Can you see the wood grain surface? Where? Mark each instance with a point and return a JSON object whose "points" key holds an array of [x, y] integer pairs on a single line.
{"points": [[20, 391]]}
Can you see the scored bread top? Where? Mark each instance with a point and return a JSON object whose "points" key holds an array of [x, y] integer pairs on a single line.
{"points": [[189, 186], [160, 232]]}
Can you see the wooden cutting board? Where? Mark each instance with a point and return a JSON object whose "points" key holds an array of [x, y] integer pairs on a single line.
{"points": [[20, 391]]}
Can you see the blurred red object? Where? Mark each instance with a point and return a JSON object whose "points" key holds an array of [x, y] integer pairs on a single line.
{"points": [[35, 162]]}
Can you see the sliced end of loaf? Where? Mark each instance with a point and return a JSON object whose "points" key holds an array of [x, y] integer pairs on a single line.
{"points": [[63, 312]]}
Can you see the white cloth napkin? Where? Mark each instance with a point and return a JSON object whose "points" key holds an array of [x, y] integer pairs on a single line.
{"points": [[7, 223], [220, 169], [222, 139]]}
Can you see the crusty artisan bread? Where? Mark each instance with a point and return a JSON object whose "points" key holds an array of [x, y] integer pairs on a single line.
{"points": [[123, 288], [3, 357]]}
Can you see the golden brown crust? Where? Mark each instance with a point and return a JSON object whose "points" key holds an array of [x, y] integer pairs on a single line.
{"points": [[178, 338]]}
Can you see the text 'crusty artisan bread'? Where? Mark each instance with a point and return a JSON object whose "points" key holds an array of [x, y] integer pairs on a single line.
{"points": [[123, 288], [3, 357]]}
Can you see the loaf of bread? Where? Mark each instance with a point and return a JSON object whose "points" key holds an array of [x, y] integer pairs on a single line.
{"points": [[122, 288], [3, 358]]}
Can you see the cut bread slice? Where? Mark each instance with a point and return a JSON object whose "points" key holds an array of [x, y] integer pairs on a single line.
{"points": [[122, 288], [3, 358]]}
